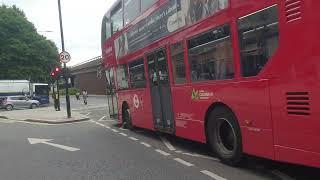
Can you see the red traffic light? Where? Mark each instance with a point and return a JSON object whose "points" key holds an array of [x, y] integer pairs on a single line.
{"points": [[58, 69], [53, 74]]}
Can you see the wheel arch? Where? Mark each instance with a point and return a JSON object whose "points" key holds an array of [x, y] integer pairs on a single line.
{"points": [[124, 106], [211, 108]]}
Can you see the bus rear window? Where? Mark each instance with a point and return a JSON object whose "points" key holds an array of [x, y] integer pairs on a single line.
{"points": [[258, 39]]}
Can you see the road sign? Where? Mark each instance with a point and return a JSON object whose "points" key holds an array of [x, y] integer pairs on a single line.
{"points": [[64, 57]]}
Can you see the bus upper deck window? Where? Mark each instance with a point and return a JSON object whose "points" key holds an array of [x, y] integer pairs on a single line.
{"points": [[131, 10], [145, 4], [116, 19], [258, 39]]}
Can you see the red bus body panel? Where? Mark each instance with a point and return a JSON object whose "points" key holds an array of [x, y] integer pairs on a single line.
{"points": [[259, 103]]}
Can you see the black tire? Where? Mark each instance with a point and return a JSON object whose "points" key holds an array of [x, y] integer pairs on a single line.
{"points": [[33, 106], [127, 119], [224, 136], [9, 107]]}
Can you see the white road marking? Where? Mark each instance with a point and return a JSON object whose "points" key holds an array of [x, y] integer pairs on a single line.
{"points": [[123, 134], [133, 138], [114, 130], [168, 144], [178, 151], [100, 124], [88, 114], [145, 144], [201, 156], [281, 175], [108, 127], [109, 120], [46, 141], [163, 152], [123, 129], [102, 118], [213, 175], [183, 162]]}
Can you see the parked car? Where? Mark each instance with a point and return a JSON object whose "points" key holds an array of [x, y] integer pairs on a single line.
{"points": [[11, 102]]}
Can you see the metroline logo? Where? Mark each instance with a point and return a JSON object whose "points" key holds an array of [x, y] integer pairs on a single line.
{"points": [[195, 95], [201, 95]]}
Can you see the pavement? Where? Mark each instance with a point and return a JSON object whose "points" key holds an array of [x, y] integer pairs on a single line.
{"points": [[50, 116], [43, 115]]}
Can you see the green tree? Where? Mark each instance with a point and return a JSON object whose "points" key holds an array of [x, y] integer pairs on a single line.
{"points": [[24, 54]]}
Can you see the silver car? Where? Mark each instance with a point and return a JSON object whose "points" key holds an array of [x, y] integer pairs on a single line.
{"points": [[11, 102]]}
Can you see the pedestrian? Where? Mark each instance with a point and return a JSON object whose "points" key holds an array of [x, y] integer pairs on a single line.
{"points": [[85, 97], [56, 102], [78, 96]]}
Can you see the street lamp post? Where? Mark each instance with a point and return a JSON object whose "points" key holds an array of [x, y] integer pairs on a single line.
{"points": [[64, 64]]}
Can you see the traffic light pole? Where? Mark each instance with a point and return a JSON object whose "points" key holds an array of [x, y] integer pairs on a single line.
{"points": [[64, 64]]}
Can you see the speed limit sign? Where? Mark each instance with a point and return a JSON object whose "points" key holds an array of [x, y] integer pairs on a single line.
{"points": [[64, 57]]}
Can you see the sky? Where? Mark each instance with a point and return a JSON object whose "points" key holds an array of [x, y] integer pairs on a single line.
{"points": [[81, 23]]}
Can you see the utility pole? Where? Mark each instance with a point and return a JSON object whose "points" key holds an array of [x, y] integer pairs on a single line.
{"points": [[64, 64]]}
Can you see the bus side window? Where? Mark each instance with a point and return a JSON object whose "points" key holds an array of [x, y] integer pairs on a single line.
{"points": [[137, 77], [210, 55], [258, 40], [122, 77], [179, 68]]}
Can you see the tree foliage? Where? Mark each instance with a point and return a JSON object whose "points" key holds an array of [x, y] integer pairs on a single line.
{"points": [[24, 54]]}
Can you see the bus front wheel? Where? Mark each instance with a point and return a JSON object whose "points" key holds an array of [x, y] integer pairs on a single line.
{"points": [[224, 136]]}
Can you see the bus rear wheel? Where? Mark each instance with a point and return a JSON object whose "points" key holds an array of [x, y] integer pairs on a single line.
{"points": [[224, 136], [127, 119]]}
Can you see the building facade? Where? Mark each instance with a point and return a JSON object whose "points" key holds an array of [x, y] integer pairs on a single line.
{"points": [[90, 76]]}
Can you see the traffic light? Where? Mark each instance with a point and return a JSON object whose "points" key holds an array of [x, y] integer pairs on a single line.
{"points": [[56, 72], [52, 74]]}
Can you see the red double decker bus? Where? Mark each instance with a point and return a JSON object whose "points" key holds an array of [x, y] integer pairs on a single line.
{"points": [[240, 75]]}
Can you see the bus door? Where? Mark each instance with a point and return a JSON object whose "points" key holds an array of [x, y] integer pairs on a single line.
{"points": [[111, 94], [160, 91]]}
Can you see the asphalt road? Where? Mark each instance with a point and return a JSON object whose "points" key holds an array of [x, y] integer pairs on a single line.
{"points": [[107, 152]]}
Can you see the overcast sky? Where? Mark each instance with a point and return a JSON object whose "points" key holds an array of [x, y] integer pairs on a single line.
{"points": [[81, 22]]}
